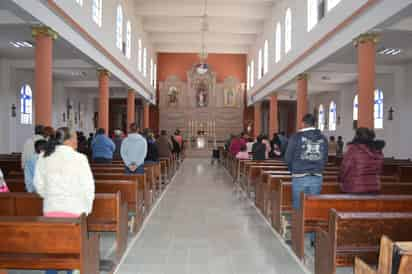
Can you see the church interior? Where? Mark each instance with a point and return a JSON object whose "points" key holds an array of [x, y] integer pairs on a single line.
{"points": [[221, 92]]}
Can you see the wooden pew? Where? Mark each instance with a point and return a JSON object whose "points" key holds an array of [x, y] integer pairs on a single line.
{"points": [[109, 213], [45, 243], [148, 183], [281, 201], [357, 234], [387, 259], [131, 192], [314, 211]]}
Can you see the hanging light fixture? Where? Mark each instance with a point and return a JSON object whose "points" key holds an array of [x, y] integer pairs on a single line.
{"points": [[202, 68]]}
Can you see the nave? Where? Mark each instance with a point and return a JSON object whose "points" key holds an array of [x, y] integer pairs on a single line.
{"points": [[202, 226]]}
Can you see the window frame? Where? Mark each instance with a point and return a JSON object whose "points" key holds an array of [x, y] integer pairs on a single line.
{"points": [[128, 39], [260, 63], [119, 27], [266, 57], [278, 42], [145, 62], [321, 118], [252, 73], [332, 116], [97, 12], [378, 109], [26, 105], [288, 30]]}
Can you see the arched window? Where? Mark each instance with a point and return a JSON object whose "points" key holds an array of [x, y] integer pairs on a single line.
{"points": [[80, 2], [260, 64], [248, 77], [312, 14], [332, 116], [97, 12], [252, 74], [266, 57], [378, 109], [288, 30], [321, 118], [26, 105], [332, 4], [119, 27], [128, 40], [278, 42], [355, 108], [139, 55], [145, 62]]}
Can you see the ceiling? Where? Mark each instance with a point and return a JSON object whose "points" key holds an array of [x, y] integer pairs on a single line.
{"points": [[175, 25]]}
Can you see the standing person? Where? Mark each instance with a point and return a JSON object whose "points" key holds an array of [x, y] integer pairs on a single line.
{"points": [[268, 147], [133, 151], [249, 145], [339, 147], [3, 188], [82, 143], [152, 155], [362, 164], [102, 148], [63, 179], [28, 147], [259, 149], [117, 140], [306, 156], [283, 142], [163, 144], [236, 144], [179, 138], [243, 154], [332, 146], [30, 166]]}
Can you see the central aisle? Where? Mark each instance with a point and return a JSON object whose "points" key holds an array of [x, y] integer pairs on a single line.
{"points": [[201, 226]]}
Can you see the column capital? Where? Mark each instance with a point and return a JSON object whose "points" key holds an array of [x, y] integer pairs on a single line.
{"points": [[43, 31], [129, 90], [303, 76], [102, 71], [366, 37]]}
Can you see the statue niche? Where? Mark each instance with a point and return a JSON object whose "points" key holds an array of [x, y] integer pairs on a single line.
{"points": [[202, 92], [201, 85]]}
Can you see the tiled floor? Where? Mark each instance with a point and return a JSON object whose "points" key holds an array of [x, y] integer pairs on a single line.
{"points": [[201, 226]]}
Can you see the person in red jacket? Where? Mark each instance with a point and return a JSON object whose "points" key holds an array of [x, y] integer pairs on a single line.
{"points": [[362, 163]]}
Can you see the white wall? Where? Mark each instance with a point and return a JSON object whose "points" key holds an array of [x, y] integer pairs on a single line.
{"points": [[396, 87], [13, 133]]}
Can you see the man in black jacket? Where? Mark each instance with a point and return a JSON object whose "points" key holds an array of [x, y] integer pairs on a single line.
{"points": [[306, 156]]}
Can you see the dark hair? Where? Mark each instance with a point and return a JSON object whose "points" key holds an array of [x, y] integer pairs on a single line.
{"points": [[133, 128], [163, 133], [62, 134], [38, 129], [243, 148], [40, 146], [309, 120], [366, 137], [91, 134], [339, 137], [332, 138], [259, 139], [48, 132], [100, 131]]}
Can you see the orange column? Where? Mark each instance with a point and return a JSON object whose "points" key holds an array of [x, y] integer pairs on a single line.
{"points": [[302, 99], [257, 128], [366, 45], [43, 75], [131, 110], [273, 117], [104, 99], [146, 116]]}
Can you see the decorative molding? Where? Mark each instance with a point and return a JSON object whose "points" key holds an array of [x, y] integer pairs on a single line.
{"points": [[43, 31], [367, 37]]}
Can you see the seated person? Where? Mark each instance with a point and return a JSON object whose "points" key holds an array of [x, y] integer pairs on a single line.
{"points": [[30, 166], [259, 149], [163, 144], [152, 155], [243, 154], [362, 163], [102, 148], [133, 151]]}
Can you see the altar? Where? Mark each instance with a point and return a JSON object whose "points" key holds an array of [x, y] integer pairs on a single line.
{"points": [[201, 134]]}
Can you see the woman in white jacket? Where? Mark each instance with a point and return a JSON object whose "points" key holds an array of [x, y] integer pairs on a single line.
{"points": [[63, 177]]}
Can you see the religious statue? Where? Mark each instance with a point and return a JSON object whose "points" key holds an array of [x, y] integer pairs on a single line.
{"points": [[229, 97], [172, 94], [202, 94]]}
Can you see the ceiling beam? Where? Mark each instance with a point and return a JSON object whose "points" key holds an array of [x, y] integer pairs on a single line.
{"points": [[210, 38], [195, 48], [245, 11]]}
